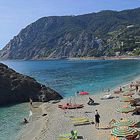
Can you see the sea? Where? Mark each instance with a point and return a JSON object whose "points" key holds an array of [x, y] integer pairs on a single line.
{"points": [[66, 77]]}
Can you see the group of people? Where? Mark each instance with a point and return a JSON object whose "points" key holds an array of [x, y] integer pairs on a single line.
{"points": [[131, 85], [91, 101], [97, 116]]}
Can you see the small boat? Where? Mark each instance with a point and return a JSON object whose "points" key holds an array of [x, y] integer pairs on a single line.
{"points": [[83, 93], [70, 106]]}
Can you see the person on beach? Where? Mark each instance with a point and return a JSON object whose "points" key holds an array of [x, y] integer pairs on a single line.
{"points": [[31, 102], [120, 89], [77, 93], [136, 87], [91, 101], [131, 85], [97, 119], [25, 121]]}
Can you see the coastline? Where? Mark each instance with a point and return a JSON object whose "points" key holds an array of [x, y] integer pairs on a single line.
{"points": [[78, 58], [125, 79], [56, 121], [106, 58]]}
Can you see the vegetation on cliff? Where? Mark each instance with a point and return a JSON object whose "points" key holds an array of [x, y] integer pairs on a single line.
{"points": [[106, 33]]}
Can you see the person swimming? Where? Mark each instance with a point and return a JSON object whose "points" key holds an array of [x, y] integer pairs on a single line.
{"points": [[25, 121]]}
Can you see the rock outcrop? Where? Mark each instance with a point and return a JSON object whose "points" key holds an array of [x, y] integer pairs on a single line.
{"points": [[18, 88], [92, 35]]}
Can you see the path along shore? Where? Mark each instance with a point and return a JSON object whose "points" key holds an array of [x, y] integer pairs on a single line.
{"points": [[58, 121]]}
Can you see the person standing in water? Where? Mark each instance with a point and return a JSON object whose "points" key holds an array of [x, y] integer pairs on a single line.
{"points": [[25, 121], [77, 93], [97, 119]]}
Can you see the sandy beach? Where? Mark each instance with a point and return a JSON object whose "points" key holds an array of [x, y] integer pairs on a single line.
{"points": [[58, 121], [106, 58]]}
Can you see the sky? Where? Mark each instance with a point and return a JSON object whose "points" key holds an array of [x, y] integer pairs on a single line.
{"points": [[17, 14]]}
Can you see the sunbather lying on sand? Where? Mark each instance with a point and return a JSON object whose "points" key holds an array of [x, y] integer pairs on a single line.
{"points": [[107, 96], [117, 91], [91, 101]]}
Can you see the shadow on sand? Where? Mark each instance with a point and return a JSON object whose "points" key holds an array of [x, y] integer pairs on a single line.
{"points": [[94, 104]]}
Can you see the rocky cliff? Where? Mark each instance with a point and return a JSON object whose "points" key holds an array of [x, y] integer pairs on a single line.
{"points": [[105, 33], [17, 88]]}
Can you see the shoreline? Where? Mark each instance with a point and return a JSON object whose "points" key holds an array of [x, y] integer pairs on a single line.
{"points": [[29, 129], [106, 58], [43, 126], [79, 58], [125, 81]]}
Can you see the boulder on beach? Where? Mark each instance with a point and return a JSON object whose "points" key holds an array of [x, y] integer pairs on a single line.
{"points": [[18, 88]]}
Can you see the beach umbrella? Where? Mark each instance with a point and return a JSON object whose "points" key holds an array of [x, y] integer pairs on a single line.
{"points": [[128, 94], [124, 122], [126, 99], [126, 109], [124, 131]]}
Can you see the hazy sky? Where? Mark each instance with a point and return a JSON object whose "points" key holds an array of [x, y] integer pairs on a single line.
{"points": [[17, 14]]}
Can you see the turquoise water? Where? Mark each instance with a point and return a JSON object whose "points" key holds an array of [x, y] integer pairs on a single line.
{"points": [[10, 121], [67, 77]]}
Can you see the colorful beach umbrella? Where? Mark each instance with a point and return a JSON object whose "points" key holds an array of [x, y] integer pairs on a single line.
{"points": [[126, 99], [128, 94], [124, 122], [126, 109], [124, 131]]}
